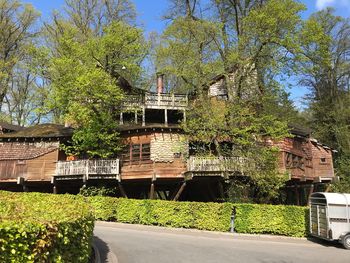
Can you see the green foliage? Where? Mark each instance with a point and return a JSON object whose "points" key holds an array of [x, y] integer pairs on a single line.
{"points": [[97, 191], [271, 219], [86, 75], [268, 219], [44, 228]]}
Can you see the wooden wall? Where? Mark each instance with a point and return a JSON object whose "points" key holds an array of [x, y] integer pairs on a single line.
{"points": [[165, 158], [302, 157], [38, 169]]}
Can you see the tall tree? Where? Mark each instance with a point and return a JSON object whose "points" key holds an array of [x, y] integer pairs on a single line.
{"points": [[325, 69], [85, 80], [17, 30], [250, 44]]}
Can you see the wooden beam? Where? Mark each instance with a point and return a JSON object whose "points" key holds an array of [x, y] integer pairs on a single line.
{"points": [[297, 195], [166, 117], [151, 191], [122, 191], [143, 116], [311, 190], [182, 187]]}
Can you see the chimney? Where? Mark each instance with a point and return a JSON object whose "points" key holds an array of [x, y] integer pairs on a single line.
{"points": [[160, 82]]}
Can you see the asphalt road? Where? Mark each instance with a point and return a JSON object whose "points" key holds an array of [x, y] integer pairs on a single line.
{"points": [[124, 243]]}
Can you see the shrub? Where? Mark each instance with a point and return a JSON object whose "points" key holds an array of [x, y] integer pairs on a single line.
{"points": [[44, 228], [249, 218], [271, 219]]}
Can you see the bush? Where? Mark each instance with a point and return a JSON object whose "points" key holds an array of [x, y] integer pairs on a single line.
{"points": [[271, 219], [44, 228], [206, 216], [250, 218]]}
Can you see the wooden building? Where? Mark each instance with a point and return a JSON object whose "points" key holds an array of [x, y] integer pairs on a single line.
{"points": [[28, 157], [156, 161]]}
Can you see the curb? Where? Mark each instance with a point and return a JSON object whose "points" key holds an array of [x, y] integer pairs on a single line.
{"points": [[191, 230]]}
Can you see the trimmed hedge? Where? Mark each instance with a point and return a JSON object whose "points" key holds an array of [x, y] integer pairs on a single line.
{"points": [[249, 218], [206, 216], [38, 227], [271, 219]]}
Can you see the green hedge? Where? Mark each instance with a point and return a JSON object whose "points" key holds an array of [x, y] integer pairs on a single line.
{"points": [[249, 218], [271, 219], [208, 216], [44, 228]]}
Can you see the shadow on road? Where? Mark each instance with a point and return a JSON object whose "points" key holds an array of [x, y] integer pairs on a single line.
{"points": [[102, 247], [325, 243]]}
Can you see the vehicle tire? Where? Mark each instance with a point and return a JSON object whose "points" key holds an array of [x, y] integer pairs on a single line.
{"points": [[346, 241]]}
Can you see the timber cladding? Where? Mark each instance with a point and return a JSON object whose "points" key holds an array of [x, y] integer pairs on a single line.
{"points": [[154, 154], [30, 161]]}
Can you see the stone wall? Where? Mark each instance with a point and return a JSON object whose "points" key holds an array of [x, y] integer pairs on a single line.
{"points": [[166, 146]]}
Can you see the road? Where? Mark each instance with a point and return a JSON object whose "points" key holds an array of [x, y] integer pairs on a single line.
{"points": [[145, 244]]}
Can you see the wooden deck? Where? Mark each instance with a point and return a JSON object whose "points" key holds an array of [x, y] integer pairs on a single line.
{"points": [[156, 101], [88, 169], [216, 166]]}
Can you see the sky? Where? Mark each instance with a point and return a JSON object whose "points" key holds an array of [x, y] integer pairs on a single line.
{"points": [[150, 18]]}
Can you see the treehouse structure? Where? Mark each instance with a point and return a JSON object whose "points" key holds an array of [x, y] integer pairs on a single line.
{"points": [[157, 160]]}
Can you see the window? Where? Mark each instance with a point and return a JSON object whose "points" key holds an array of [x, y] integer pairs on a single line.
{"points": [[294, 161], [137, 153], [323, 160]]}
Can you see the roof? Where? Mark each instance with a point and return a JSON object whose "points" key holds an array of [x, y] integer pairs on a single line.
{"points": [[332, 198], [10, 151], [8, 126], [41, 131]]}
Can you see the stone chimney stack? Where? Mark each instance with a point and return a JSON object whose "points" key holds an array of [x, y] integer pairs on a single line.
{"points": [[160, 82]]}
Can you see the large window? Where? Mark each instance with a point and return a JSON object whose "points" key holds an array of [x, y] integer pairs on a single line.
{"points": [[137, 153], [294, 161]]}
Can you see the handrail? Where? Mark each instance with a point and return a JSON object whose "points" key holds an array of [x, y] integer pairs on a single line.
{"points": [[86, 167], [156, 100], [216, 164]]}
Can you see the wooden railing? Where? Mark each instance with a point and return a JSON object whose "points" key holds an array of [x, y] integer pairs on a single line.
{"points": [[88, 167], [156, 100], [217, 164]]}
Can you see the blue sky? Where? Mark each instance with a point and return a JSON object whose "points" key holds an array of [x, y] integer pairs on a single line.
{"points": [[151, 11]]}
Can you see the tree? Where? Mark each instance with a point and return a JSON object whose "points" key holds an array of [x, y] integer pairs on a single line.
{"points": [[325, 69], [85, 78], [17, 22], [250, 44]]}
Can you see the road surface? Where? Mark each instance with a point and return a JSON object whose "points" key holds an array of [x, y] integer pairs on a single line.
{"points": [[125, 243]]}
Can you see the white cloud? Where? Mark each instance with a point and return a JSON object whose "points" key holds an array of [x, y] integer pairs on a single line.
{"points": [[320, 4]]}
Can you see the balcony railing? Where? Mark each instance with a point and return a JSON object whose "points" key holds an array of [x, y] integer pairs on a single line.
{"points": [[217, 164], [156, 100], [88, 167]]}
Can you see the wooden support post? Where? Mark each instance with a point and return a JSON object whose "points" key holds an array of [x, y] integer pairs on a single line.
{"points": [[177, 196], [166, 117], [184, 116], [328, 188], [143, 116], [122, 191], [151, 191], [136, 117], [121, 122], [25, 188], [311, 190], [221, 190], [297, 197], [54, 190]]}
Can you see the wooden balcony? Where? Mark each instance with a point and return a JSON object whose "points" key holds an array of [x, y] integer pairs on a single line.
{"points": [[217, 166], [88, 169], [156, 101]]}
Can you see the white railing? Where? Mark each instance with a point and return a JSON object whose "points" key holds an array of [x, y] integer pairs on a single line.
{"points": [[155, 100], [217, 164], [86, 167]]}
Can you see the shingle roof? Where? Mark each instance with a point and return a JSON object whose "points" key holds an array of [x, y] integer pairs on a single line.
{"points": [[8, 126], [11, 151], [41, 131]]}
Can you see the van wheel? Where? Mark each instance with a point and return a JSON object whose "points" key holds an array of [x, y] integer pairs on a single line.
{"points": [[346, 241]]}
